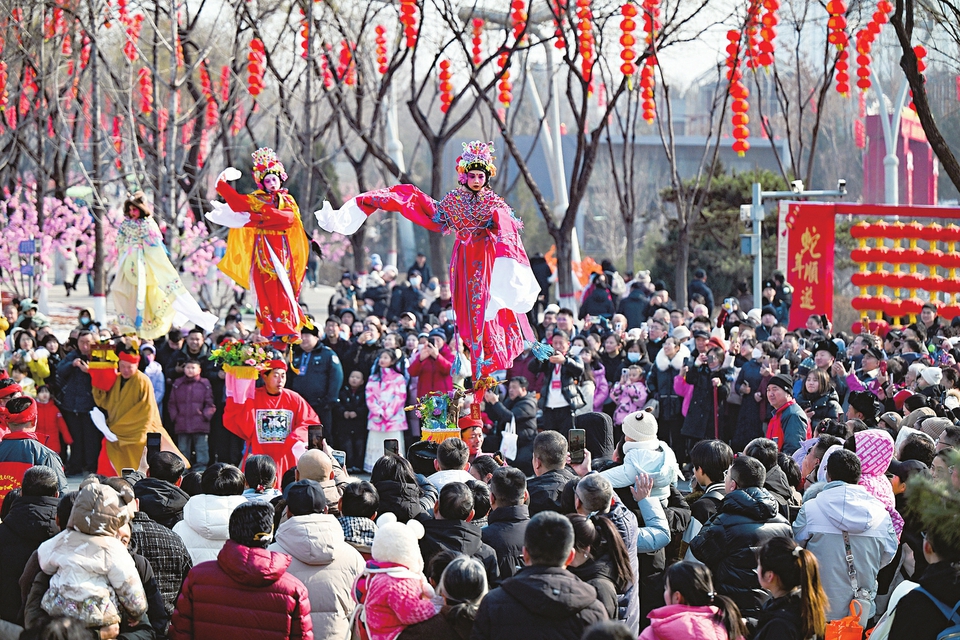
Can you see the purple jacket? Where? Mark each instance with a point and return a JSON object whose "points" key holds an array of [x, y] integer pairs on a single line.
{"points": [[191, 405]]}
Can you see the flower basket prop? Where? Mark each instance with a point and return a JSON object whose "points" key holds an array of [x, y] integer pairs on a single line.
{"points": [[103, 366], [241, 364], [439, 413]]}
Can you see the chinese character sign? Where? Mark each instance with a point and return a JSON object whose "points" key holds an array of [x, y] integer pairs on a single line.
{"points": [[807, 234]]}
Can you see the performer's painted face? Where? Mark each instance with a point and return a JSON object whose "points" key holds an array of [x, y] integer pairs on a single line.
{"points": [[476, 180], [271, 182], [133, 213]]}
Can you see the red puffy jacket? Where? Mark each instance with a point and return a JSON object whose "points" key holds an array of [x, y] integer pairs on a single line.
{"points": [[245, 593], [433, 374]]}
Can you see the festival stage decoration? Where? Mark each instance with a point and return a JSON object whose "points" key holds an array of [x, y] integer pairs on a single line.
{"points": [[439, 413], [492, 284], [267, 248], [242, 363]]}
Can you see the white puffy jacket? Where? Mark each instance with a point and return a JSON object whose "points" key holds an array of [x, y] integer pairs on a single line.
{"points": [[326, 564], [206, 525]]}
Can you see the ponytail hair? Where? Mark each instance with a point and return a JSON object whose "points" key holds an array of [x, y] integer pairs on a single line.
{"points": [[797, 567], [601, 535], [694, 582]]}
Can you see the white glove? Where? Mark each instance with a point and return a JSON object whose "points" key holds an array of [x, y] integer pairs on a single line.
{"points": [[229, 174]]}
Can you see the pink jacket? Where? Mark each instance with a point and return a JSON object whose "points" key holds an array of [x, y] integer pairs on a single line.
{"points": [[684, 389], [385, 399], [394, 601], [629, 397], [683, 622]]}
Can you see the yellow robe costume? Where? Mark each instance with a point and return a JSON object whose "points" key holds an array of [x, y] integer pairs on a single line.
{"points": [[132, 413]]}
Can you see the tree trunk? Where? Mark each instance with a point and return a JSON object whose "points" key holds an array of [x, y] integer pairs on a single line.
{"points": [[356, 242], [96, 203], [683, 259], [630, 233]]}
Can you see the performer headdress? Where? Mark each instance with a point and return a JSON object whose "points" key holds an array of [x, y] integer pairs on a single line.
{"points": [[138, 200], [476, 155], [265, 161]]}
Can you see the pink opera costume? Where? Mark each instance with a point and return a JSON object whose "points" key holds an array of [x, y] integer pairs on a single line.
{"points": [[492, 284], [147, 291]]}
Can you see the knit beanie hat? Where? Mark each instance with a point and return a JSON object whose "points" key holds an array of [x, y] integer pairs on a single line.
{"points": [[251, 524], [99, 510], [640, 426], [933, 426], [398, 543], [932, 375]]}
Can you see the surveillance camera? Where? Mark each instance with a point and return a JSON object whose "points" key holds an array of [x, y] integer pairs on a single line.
{"points": [[796, 186], [841, 185]]}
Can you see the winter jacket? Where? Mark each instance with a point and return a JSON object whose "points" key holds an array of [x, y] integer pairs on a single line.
{"points": [[652, 457], [838, 508], [165, 552], [598, 302], [462, 537], [570, 373], [539, 603], [320, 377], [363, 357], [683, 622], [386, 397], [660, 383], [600, 573], [206, 525], [634, 307], [393, 597], [545, 490], [19, 451], [209, 369], [76, 391], [524, 410], [326, 565], [161, 500], [51, 427], [351, 400], [504, 534], [824, 406], [917, 617], [154, 371], [191, 405], [31, 521], [786, 496], [749, 417], [88, 571], [875, 450], [452, 623], [400, 499], [433, 374], [630, 398], [699, 421], [245, 593], [727, 542], [789, 427], [779, 619]]}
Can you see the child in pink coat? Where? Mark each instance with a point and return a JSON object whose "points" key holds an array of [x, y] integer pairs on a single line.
{"points": [[392, 589], [693, 610], [630, 393]]}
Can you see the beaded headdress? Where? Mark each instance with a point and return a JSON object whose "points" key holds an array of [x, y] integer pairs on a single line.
{"points": [[265, 161], [476, 155]]}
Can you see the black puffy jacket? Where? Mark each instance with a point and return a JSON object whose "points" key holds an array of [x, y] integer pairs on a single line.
{"points": [[728, 542], [571, 372], [699, 422], [779, 619], [400, 499], [504, 533], [825, 406], [539, 603], [161, 500], [524, 410], [31, 521], [545, 490], [462, 537]]}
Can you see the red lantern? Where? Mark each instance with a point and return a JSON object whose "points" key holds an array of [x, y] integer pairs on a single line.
{"points": [[145, 82], [408, 18], [837, 24], [477, 26], [627, 40], [518, 18], [446, 87], [381, 48], [586, 41], [255, 67], [504, 85]]}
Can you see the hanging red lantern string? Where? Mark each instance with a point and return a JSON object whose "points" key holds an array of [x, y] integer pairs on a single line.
{"points": [[518, 19], [304, 35], [117, 140], [559, 10], [133, 35], [647, 82], [586, 41], [145, 83], [381, 41], [255, 67], [477, 25], [446, 87], [921, 52], [237, 123], [66, 48], [85, 52], [739, 94], [751, 35], [837, 24], [768, 32], [504, 86], [627, 40], [325, 68], [408, 18], [843, 76], [225, 83]]}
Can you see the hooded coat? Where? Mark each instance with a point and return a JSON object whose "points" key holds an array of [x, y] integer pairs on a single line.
{"points": [[161, 500], [539, 603], [245, 593], [462, 537], [683, 622], [699, 422], [727, 542], [875, 449], [601, 574], [206, 525], [326, 565], [819, 527], [402, 499], [31, 521], [660, 382]]}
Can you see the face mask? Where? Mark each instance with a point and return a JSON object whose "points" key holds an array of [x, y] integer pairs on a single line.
{"points": [[633, 356], [84, 321], [415, 282], [757, 353], [432, 286]]}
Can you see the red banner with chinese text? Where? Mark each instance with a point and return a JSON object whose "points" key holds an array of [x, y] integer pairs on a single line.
{"points": [[807, 231]]}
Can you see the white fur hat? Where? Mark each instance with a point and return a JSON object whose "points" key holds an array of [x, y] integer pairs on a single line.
{"points": [[397, 542]]}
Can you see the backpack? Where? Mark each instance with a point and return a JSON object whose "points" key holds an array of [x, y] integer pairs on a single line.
{"points": [[952, 632]]}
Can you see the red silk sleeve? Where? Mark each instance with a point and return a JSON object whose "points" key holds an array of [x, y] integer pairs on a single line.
{"points": [[262, 216], [405, 199]]}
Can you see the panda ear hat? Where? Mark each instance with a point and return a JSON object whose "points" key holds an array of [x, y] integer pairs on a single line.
{"points": [[398, 543]]}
